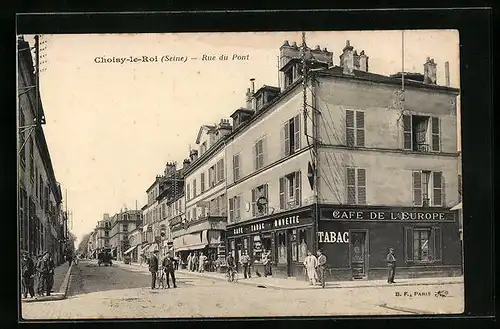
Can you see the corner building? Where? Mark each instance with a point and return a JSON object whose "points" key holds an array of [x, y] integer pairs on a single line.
{"points": [[364, 170]]}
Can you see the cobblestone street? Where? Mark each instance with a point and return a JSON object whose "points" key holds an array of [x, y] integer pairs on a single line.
{"points": [[123, 292]]}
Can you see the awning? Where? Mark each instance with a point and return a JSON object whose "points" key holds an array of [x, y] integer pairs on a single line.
{"points": [[192, 247], [130, 249], [457, 207]]}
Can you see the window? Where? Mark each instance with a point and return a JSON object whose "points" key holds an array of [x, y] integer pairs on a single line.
{"points": [[202, 182], [194, 188], [355, 128], [257, 193], [302, 244], [423, 244], [125, 228], [220, 170], [188, 192], [418, 136], [281, 246], [290, 136], [259, 101], [427, 188], [234, 208], [259, 154], [46, 198], [236, 167], [290, 190], [290, 75], [222, 205], [211, 176], [356, 186], [195, 217]]}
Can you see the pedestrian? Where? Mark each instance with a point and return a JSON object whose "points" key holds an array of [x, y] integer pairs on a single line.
{"points": [[153, 268], [177, 259], [245, 262], [195, 262], [321, 267], [168, 265], [266, 260], [310, 263], [391, 264], [189, 261], [201, 263], [44, 269], [28, 275], [39, 275], [50, 273], [69, 258]]}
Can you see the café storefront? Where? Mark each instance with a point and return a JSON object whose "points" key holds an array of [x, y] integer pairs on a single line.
{"points": [[288, 235], [356, 240]]}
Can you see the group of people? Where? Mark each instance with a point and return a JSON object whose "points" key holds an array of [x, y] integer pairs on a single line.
{"points": [[197, 262], [163, 271], [42, 269], [315, 267]]}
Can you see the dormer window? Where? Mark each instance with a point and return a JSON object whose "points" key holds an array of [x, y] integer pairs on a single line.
{"points": [[203, 147]]}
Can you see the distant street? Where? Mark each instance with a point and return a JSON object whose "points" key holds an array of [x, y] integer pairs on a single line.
{"points": [[119, 292]]}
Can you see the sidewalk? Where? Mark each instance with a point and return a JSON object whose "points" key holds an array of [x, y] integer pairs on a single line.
{"points": [[294, 284], [61, 276]]}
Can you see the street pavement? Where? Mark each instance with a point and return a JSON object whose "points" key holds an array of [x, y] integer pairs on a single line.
{"points": [[123, 291]]}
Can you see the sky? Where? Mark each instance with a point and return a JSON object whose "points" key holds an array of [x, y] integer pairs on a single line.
{"points": [[111, 127]]}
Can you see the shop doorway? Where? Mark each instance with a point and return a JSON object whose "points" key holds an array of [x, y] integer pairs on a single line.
{"points": [[358, 253]]}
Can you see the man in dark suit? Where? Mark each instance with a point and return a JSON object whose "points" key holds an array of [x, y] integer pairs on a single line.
{"points": [[391, 264], [169, 269], [153, 268], [28, 275]]}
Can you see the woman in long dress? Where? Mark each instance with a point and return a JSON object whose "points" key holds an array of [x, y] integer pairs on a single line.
{"points": [[310, 263]]}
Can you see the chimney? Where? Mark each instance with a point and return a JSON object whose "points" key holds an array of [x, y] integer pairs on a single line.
{"points": [[447, 73], [193, 155], [430, 71], [363, 61], [170, 168], [252, 90], [248, 99], [347, 59], [224, 127], [186, 163], [355, 58]]}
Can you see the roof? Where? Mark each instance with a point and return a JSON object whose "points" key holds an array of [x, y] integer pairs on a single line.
{"points": [[203, 127], [241, 110], [337, 71], [266, 87]]}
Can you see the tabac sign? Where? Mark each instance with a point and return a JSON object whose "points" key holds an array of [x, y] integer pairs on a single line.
{"points": [[410, 214]]}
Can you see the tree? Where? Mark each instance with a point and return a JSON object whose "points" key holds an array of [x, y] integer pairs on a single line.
{"points": [[70, 248], [82, 246]]}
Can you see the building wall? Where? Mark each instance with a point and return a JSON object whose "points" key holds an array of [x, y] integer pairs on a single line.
{"points": [[271, 176], [389, 178], [39, 187], [383, 124], [210, 191]]}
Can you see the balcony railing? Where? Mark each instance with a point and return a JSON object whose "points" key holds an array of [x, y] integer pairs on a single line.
{"points": [[421, 147]]}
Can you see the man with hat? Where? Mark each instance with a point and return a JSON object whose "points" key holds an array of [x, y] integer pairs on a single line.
{"points": [[28, 275], [40, 288], [321, 266], [153, 268], [391, 264]]}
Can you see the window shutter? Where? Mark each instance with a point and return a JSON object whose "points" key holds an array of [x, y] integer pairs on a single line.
{"points": [[438, 248], [435, 134], [351, 186], [262, 153], [221, 169], [236, 167], [256, 155], [437, 188], [237, 205], [296, 126], [231, 209], [253, 203], [298, 186], [361, 186], [408, 244], [282, 192], [407, 133], [349, 123], [360, 128], [286, 138], [417, 188]]}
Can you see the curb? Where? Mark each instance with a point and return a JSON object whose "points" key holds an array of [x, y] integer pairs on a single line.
{"points": [[63, 290]]}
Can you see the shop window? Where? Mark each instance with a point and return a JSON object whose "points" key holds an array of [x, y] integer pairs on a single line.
{"points": [[293, 244], [257, 248], [423, 244], [232, 248], [281, 248], [427, 188], [355, 128], [356, 186], [302, 244]]}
